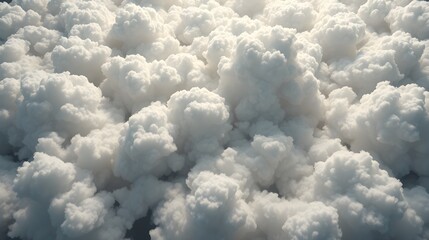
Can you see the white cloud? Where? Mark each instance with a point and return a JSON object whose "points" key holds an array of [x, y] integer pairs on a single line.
{"points": [[290, 14], [217, 119], [13, 18], [366, 71], [42, 40], [76, 13], [374, 12], [190, 23], [339, 35], [80, 57], [89, 214], [369, 202], [214, 210], [201, 121], [412, 18], [407, 50], [145, 143], [133, 83], [136, 25], [389, 123], [95, 152], [62, 103], [278, 218]]}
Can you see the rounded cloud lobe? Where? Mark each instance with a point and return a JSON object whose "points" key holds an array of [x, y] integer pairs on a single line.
{"points": [[214, 119]]}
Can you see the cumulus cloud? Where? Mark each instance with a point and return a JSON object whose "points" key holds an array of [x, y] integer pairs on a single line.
{"points": [[213, 209], [291, 14], [279, 218], [146, 141], [389, 123], [14, 17], [366, 198], [135, 25], [214, 119], [9, 201], [79, 57], [411, 18], [62, 103]]}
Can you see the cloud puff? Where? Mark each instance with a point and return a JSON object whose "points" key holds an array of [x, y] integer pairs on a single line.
{"points": [[213, 209], [145, 143], [135, 25], [95, 152], [388, 123], [279, 218], [407, 50], [13, 18], [374, 12], [62, 103], [291, 14], [369, 202], [80, 57], [75, 13], [42, 40], [191, 22], [217, 119], [366, 71], [411, 18], [133, 83], [206, 114], [339, 34]]}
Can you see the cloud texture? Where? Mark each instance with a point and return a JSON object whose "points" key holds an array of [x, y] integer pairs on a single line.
{"points": [[214, 119]]}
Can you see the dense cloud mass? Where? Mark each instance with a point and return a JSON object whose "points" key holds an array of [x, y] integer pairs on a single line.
{"points": [[214, 119]]}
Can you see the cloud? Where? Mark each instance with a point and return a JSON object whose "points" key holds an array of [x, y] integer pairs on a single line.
{"points": [[213, 209], [387, 123], [369, 202], [216, 119], [8, 197], [411, 18], [41, 40], [145, 27], [190, 23], [374, 12], [279, 218], [80, 57], [339, 34], [292, 14], [133, 82], [75, 13], [62, 103], [14, 17], [145, 143], [201, 119]]}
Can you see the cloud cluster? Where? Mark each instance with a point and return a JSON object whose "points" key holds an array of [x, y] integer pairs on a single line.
{"points": [[214, 119]]}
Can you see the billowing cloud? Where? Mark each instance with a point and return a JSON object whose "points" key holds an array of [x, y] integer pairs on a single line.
{"points": [[214, 119]]}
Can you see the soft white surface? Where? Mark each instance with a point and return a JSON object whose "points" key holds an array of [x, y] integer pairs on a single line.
{"points": [[224, 119]]}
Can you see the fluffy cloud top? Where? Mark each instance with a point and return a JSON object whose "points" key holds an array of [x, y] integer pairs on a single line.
{"points": [[215, 119]]}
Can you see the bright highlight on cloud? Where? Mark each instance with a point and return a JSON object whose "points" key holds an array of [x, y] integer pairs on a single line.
{"points": [[214, 119]]}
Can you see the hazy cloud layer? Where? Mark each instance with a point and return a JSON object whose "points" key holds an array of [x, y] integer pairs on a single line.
{"points": [[214, 119]]}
